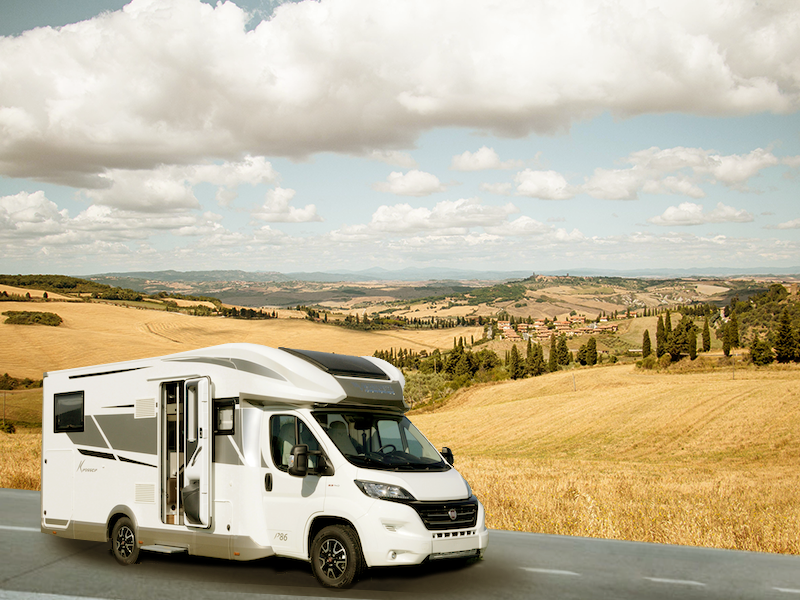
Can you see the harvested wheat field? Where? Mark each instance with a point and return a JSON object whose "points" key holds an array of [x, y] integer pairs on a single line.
{"points": [[698, 459], [20, 466], [95, 333]]}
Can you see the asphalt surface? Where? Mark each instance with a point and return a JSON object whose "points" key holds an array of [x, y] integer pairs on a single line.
{"points": [[35, 566]]}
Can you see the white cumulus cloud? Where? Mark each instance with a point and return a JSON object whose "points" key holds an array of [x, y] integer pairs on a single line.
{"points": [[688, 213], [277, 208], [547, 185], [413, 183], [793, 224], [483, 159], [26, 215]]}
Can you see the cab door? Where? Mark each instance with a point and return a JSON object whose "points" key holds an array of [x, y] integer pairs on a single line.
{"points": [[196, 492], [291, 502]]}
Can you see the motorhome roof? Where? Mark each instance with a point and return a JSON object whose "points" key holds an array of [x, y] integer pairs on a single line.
{"points": [[343, 365], [296, 376]]}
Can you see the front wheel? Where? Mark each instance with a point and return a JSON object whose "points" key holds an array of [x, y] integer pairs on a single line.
{"points": [[336, 556], [124, 544]]}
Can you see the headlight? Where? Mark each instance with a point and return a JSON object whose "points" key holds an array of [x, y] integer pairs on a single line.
{"points": [[383, 491], [469, 489]]}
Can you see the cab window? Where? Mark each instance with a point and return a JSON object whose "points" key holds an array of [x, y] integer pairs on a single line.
{"points": [[285, 431]]}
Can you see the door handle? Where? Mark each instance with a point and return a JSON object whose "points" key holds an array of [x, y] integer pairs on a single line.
{"points": [[268, 482]]}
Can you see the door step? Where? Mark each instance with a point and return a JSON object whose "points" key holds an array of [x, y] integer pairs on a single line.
{"points": [[164, 549]]}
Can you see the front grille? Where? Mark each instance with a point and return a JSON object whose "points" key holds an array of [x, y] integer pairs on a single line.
{"points": [[437, 515]]}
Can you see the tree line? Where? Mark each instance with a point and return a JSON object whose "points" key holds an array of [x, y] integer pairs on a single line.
{"points": [[768, 324]]}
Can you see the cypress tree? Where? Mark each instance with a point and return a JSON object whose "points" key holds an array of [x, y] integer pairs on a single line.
{"points": [[515, 367], [529, 358], [562, 351], [726, 341], [646, 344], [661, 346], [706, 336], [591, 351], [539, 366], [691, 340], [733, 330], [582, 354], [552, 362]]}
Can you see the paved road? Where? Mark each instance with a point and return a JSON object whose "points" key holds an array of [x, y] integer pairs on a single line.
{"points": [[34, 566]]}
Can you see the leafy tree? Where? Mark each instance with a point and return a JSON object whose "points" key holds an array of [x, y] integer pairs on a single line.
{"points": [[462, 367], [706, 336], [646, 344], [785, 342], [761, 352]]}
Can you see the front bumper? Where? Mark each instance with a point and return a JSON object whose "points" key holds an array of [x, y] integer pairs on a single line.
{"points": [[393, 533]]}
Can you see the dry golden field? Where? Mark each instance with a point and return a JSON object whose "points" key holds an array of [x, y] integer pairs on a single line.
{"points": [[693, 458], [698, 459], [20, 459], [102, 333]]}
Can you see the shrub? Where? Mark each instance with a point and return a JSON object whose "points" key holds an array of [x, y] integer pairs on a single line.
{"points": [[648, 362], [25, 317]]}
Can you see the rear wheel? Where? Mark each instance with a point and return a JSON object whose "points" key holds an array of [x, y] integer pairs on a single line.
{"points": [[336, 556], [124, 544]]}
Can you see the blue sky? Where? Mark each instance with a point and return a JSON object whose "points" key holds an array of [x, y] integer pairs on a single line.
{"points": [[349, 134]]}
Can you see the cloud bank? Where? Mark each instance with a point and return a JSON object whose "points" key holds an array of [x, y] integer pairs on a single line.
{"points": [[182, 82]]}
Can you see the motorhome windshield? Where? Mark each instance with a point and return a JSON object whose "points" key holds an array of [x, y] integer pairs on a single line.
{"points": [[380, 441]]}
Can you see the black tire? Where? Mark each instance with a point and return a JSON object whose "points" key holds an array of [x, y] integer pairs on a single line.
{"points": [[336, 556], [124, 542]]}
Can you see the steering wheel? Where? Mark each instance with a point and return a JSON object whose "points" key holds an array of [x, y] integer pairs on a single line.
{"points": [[392, 446]]}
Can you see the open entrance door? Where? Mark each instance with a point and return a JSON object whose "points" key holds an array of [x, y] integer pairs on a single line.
{"points": [[196, 490], [186, 452]]}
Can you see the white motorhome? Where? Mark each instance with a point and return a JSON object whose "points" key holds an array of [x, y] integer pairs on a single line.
{"points": [[242, 451]]}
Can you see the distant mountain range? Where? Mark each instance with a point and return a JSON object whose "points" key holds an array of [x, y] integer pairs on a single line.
{"points": [[434, 274]]}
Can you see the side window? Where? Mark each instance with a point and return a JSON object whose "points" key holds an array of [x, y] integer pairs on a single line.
{"points": [[68, 412], [223, 416], [284, 433]]}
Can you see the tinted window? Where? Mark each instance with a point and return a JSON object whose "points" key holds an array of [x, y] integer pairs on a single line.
{"points": [[285, 430], [380, 441], [68, 412]]}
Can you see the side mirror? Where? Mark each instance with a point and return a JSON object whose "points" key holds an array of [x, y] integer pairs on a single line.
{"points": [[298, 463], [447, 454]]}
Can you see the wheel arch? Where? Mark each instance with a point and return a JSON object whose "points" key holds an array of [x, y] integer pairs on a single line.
{"points": [[115, 515], [320, 523]]}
